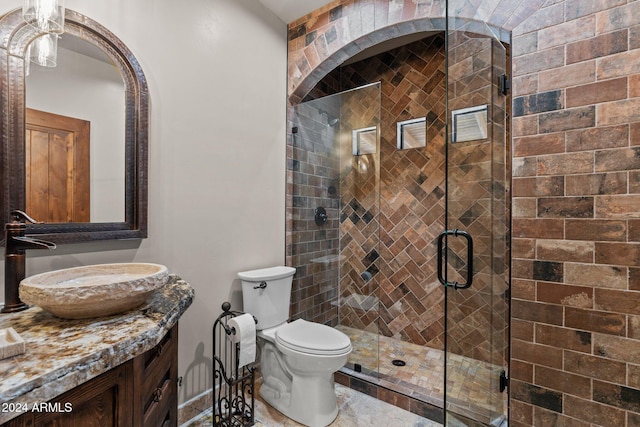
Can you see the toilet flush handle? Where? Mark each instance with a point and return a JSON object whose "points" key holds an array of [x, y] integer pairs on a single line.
{"points": [[262, 285]]}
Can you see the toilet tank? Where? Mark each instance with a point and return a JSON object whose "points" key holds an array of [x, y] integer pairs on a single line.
{"points": [[266, 294]]}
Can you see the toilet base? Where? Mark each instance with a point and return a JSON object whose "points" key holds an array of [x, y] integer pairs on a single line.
{"points": [[311, 401], [300, 385]]}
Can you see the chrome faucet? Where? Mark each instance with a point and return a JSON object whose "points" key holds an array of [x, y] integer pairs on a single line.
{"points": [[14, 258]]}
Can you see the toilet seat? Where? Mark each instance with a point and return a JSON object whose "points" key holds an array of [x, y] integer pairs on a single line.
{"points": [[312, 338]]}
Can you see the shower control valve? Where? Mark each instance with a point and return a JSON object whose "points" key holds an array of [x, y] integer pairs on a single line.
{"points": [[321, 216]]}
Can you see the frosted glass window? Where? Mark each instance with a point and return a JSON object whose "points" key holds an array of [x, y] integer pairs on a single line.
{"points": [[412, 133], [469, 124], [365, 140]]}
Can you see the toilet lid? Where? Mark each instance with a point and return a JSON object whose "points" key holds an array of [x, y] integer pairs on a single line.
{"points": [[313, 338]]}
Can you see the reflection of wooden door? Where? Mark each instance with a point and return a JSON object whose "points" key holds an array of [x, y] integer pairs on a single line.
{"points": [[57, 167]]}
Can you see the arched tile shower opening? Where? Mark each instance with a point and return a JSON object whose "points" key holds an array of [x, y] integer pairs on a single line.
{"points": [[308, 66], [321, 41]]}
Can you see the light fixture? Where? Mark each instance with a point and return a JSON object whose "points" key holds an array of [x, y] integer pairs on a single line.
{"points": [[45, 15], [44, 50]]}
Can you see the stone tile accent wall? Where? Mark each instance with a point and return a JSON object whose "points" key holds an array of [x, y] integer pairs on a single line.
{"points": [[575, 306], [576, 193]]}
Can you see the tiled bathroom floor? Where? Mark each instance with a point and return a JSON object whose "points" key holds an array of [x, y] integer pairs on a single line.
{"points": [[356, 409], [422, 375], [421, 378]]}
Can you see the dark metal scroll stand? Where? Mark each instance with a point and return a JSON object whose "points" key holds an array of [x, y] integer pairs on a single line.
{"points": [[233, 387]]}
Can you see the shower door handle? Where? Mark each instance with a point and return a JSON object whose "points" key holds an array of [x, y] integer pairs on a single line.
{"points": [[441, 258]]}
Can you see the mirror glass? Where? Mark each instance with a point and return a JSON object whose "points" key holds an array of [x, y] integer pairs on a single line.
{"points": [[75, 139], [72, 178]]}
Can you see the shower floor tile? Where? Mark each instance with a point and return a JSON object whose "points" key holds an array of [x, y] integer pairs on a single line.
{"points": [[422, 376]]}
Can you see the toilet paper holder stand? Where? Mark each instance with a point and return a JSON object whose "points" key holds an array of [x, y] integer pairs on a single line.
{"points": [[233, 386]]}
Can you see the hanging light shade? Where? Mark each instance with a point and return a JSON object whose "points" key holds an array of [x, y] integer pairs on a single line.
{"points": [[45, 15], [44, 50]]}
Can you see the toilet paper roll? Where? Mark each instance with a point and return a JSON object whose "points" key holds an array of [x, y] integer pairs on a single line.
{"points": [[245, 335]]}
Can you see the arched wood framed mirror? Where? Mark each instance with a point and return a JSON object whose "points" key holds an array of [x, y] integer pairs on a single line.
{"points": [[132, 141]]}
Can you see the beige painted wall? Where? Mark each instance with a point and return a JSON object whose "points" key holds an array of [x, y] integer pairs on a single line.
{"points": [[217, 77]]}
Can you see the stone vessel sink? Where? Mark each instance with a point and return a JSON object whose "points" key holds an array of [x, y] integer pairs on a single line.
{"points": [[95, 290]]}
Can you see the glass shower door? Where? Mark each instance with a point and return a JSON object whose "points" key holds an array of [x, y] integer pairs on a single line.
{"points": [[336, 205], [473, 257]]}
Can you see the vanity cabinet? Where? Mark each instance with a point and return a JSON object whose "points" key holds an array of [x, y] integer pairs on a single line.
{"points": [[141, 392], [155, 384], [102, 401]]}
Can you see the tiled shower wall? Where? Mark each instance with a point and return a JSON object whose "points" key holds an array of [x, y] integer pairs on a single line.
{"points": [[576, 198], [477, 317], [391, 210], [392, 238], [315, 182], [411, 200], [388, 252]]}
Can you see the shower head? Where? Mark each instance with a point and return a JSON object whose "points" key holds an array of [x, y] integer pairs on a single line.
{"points": [[331, 120]]}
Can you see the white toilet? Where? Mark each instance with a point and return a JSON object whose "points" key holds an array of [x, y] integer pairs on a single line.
{"points": [[297, 359]]}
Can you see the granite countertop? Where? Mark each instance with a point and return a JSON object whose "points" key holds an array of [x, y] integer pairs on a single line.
{"points": [[62, 354]]}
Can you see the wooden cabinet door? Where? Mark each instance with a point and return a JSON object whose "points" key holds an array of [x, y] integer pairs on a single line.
{"points": [[142, 392], [104, 401], [57, 167], [155, 386]]}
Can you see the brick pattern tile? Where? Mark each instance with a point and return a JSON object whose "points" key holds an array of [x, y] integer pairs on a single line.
{"points": [[574, 256], [475, 194], [313, 183], [344, 27], [400, 268]]}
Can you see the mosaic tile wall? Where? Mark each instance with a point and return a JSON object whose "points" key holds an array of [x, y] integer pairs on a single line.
{"points": [[575, 292]]}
